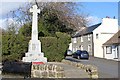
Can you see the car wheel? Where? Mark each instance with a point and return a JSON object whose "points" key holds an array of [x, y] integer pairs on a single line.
{"points": [[78, 57]]}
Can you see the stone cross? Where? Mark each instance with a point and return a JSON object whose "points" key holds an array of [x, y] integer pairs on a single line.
{"points": [[35, 12], [34, 53]]}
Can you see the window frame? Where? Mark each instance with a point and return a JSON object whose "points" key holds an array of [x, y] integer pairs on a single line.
{"points": [[110, 51], [75, 40], [81, 38], [89, 36], [89, 48], [81, 47], [97, 36]]}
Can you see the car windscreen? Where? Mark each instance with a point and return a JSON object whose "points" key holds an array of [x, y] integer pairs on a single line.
{"points": [[85, 52]]}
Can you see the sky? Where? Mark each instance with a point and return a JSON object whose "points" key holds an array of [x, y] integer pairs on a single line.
{"points": [[99, 10], [95, 10]]}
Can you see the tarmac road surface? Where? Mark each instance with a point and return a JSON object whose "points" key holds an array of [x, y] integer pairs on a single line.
{"points": [[106, 68]]}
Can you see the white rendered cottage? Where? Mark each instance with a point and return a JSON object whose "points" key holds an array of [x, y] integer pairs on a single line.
{"points": [[103, 33], [112, 47]]}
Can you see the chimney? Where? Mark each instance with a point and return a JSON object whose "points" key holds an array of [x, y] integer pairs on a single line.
{"points": [[114, 17], [107, 17]]}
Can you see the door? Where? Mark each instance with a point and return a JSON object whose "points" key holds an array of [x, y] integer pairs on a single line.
{"points": [[115, 52]]}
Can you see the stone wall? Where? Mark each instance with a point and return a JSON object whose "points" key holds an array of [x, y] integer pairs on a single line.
{"points": [[90, 69], [47, 71]]}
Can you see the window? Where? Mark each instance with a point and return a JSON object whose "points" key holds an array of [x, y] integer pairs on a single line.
{"points": [[97, 36], [81, 47], [30, 55], [89, 37], [108, 49], [89, 48], [74, 40], [81, 39]]}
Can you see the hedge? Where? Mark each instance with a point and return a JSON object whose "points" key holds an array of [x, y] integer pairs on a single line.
{"points": [[15, 46]]}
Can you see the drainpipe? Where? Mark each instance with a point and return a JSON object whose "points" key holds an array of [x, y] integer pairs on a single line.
{"points": [[92, 46], [103, 52]]}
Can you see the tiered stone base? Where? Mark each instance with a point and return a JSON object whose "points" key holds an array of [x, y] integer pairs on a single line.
{"points": [[34, 57]]}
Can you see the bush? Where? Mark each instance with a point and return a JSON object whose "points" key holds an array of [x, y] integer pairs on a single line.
{"points": [[14, 46], [55, 47]]}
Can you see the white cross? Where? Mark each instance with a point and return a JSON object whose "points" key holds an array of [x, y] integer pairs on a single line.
{"points": [[35, 11]]}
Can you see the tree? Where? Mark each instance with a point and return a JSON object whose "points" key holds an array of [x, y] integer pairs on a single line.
{"points": [[54, 17], [55, 22], [66, 13], [14, 45], [25, 30]]}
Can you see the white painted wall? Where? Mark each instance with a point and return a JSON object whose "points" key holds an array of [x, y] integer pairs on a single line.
{"points": [[105, 31], [119, 52], [113, 54], [70, 46], [74, 41], [108, 56]]}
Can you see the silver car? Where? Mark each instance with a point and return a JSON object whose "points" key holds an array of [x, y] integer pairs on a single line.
{"points": [[69, 52]]}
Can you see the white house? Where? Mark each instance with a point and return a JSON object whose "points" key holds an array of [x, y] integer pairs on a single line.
{"points": [[103, 33], [112, 47]]}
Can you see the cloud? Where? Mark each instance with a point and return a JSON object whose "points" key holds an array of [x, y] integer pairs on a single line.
{"points": [[6, 7], [4, 23], [93, 20]]}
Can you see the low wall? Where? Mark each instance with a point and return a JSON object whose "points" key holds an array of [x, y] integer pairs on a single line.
{"points": [[47, 71], [17, 67], [90, 69]]}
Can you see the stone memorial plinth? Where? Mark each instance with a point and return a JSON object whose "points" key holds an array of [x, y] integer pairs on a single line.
{"points": [[34, 53]]}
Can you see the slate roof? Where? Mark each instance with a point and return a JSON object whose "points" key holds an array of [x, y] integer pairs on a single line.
{"points": [[87, 30], [114, 40]]}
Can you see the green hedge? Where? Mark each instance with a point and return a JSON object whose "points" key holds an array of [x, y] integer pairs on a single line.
{"points": [[55, 47], [15, 46]]}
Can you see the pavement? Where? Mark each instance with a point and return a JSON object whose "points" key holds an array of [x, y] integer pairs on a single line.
{"points": [[71, 71]]}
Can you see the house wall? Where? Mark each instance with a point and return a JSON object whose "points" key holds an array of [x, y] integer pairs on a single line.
{"points": [[86, 43], [114, 54], [108, 56], [78, 43], [70, 46], [119, 52], [74, 44], [105, 31]]}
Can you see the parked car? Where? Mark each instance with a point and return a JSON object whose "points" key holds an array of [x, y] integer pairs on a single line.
{"points": [[69, 52], [81, 54]]}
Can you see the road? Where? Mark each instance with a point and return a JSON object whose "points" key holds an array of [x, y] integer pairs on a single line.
{"points": [[106, 68]]}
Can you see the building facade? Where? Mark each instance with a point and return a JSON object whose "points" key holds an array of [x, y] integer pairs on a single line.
{"points": [[112, 47], [83, 40], [92, 38], [103, 33]]}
